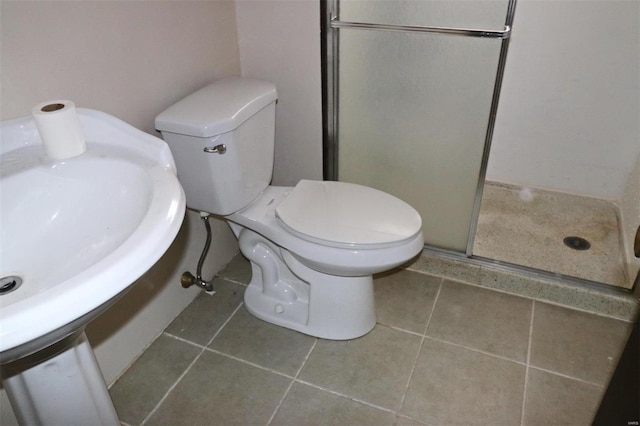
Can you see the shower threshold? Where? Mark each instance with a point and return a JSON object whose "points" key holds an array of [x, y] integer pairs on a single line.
{"points": [[575, 293]]}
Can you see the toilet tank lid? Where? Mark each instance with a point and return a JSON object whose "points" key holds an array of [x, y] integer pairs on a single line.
{"points": [[218, 108]]}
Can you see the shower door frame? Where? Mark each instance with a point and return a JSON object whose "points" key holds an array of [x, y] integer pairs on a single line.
{"points": [[330, 40]]}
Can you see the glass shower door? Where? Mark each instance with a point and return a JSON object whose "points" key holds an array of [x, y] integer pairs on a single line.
{"points": [[413, 106]]}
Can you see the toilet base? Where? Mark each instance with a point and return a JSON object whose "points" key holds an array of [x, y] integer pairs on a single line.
{"points": [[285, 292]]}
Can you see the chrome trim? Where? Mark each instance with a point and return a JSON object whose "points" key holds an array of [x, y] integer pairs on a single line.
{"points": [[468, 32], [331, 148], [477, 201], [218, 149]]}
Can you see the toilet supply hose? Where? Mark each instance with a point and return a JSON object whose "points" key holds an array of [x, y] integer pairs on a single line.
{"points": [[187, 279]]}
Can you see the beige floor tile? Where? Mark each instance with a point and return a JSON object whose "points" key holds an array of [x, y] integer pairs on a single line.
{"points": [[374, 368], [527, 228], [575, 343], [309, 406], [138, 391], [200, 321], [482, 319], [221, 391], [452, 385], [556, 400], [238, 270], [404, 421], [404, 299], [262, 343]]}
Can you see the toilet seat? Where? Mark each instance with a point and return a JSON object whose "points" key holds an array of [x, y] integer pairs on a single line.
{"points": [[347, 260], [346, 215]]}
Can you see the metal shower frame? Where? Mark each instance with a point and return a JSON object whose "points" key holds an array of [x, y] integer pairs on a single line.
{"points": [[331, 25]]}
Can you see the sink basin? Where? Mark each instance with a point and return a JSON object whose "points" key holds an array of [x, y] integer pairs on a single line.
{"points": [[74, 235], [78, 232]]}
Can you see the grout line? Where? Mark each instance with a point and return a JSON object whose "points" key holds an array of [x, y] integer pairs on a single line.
{"points": [[275, 410], [555, 373], [433, 308], [182, 339], [412, 268], [232, 281], [420, 422], [306, 358], [225, 323], [497, 290], [184, 373], [406, 387], [526, 371], [244, 361], [286, 392], [415, 361], [403, 330], [368, 404], [476, 350]]}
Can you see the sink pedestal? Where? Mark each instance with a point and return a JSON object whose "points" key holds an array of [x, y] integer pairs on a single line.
{"points": [[61, 384]]}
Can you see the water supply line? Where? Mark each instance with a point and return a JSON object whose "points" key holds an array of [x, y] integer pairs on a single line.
{"points": [[187, 279]]}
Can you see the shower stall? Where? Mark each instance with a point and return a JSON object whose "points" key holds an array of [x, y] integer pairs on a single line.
{"points": [[518, 142]]}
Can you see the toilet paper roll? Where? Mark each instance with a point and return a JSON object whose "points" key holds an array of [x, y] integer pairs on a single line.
{"points": [[60, 129]]}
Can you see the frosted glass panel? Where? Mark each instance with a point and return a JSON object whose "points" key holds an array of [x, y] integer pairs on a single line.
{"points": [[413, 114], [478, 14]]}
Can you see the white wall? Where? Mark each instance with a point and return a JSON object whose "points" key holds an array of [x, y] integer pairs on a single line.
{"points": [[131, 60], [569, 114], [570, 105], [280, 42]]}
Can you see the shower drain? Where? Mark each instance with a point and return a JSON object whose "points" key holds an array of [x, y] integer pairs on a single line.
{"points": [[9, 283], [577, 243]]}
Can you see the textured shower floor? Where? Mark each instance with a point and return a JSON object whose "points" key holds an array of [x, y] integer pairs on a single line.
{"points": [[527, 227]]}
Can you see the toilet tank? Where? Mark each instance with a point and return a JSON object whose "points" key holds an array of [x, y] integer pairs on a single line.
{"points": [[238, 113]]}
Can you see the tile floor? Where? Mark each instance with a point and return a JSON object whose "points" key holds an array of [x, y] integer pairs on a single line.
{"points": [[443, 353], [527, 227]]}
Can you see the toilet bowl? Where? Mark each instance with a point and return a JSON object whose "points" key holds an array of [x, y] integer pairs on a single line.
{"points": [[292, 266], [313, 248]]}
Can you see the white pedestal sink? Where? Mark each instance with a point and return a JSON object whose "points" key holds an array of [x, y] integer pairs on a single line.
{"points": [[74, 235], [60, 385]]}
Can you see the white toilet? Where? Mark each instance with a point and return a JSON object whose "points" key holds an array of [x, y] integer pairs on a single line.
{"points": [[313, 248]]}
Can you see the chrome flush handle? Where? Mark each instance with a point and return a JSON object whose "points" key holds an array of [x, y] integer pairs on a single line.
{"points": [[218, 149]]}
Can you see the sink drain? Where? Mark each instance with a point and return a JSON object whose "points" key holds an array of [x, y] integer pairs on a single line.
{"points": [[577, 243], [9, 283]]}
